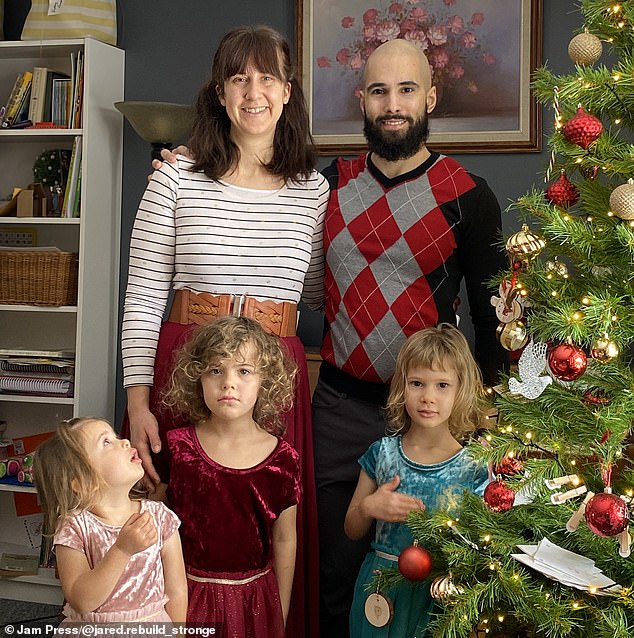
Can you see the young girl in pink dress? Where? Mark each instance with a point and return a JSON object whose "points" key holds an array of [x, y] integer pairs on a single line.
{"points": [[119, 559], [234, 482]]}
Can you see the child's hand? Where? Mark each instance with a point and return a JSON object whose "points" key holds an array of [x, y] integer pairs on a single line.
{"points": [[137, 534], [386, 504]]}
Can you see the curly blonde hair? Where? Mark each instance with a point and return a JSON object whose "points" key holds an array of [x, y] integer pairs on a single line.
{"points": [[441, 347], [222, 339], [63, 474]]}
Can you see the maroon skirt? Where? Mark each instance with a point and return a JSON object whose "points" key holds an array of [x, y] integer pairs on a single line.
{"points": [[303, 619]]}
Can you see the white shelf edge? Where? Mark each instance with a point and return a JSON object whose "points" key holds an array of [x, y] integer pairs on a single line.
{"points": [[23, 489], [40, 132], [23, 398], [29, 308], [16, 221]]}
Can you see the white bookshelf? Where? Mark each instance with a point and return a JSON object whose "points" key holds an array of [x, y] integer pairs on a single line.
{"points": [[90, 327]]}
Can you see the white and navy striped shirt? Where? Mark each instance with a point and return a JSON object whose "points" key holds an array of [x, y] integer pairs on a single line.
{"points": [[192, 232]]}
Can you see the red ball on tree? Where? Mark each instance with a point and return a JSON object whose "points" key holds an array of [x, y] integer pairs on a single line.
{"points": [[582, 129], [508, 466], [563, 192], [498, 496], [607, 514], [415, 563], [567, 362]]}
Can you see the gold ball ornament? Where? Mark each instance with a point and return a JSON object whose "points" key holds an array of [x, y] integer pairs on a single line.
{"points": [[585, 48], [443, 589], [604, 350], [525, 244], [512, 335], [556, 268], [622, 200]]}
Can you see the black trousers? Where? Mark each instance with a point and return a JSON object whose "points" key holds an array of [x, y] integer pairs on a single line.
{"points": [[343, 429]]}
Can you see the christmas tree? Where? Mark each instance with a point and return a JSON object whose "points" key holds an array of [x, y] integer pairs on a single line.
{"points": [[563, 475]]}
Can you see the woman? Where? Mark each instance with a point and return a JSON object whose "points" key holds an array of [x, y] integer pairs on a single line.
{"points": [[235, 230]]}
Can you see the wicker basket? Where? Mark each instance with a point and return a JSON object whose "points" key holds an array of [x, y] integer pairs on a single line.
{"points": [[38, 277]]}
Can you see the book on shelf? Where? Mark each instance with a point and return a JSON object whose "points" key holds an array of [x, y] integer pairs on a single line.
{"points": [[51, 76], [36, 385], [70, 205], [37, 354], [32, 373], [37, 103], [77, 66], [14, 105], [18, 564]]}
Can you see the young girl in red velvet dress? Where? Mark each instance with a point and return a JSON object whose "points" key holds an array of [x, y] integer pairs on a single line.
{"points": [[234, 483]]}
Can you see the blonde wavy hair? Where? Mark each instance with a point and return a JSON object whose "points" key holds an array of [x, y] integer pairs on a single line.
{"points": [[443, 347], [63, 474], [222, 339]]}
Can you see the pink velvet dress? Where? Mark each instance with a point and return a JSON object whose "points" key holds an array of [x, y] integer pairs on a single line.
{"points": [[227, 519], [139, 596]]}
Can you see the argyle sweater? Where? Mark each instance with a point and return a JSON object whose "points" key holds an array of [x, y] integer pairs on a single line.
{"points": [[396, 252]]}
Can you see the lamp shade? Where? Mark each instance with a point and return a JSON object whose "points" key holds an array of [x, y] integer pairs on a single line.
{"points": [[160, 122]]}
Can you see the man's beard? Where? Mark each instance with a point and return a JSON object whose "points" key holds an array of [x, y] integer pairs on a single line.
{"points": [[393, 146]]}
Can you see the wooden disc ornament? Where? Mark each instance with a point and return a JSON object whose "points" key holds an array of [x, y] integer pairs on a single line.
{"points": [[585, 48], [622, 200], [378, 609]]}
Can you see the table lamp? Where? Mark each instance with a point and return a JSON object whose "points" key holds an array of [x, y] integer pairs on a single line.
{"points": [[160, 123]]}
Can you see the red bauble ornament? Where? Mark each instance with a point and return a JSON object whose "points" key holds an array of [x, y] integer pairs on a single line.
{"points": [[583, 129], [508, 466], [562, 192], [607, 514], [498, 497], [567, 362], [415, 563]]}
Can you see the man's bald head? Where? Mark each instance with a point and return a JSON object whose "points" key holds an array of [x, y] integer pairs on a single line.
{"points": [[393, 55]]}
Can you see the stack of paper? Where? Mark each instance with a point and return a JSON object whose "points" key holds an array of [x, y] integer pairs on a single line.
{"points": [[566, 567]]}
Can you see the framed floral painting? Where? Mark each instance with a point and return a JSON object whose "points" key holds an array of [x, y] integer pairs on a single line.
{"points": [[482, 54]]}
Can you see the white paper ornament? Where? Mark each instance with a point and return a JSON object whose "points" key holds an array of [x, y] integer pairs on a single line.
{"points": [[530, 367]]}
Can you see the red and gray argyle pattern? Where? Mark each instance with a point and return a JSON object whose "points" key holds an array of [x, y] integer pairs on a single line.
{"points": [[388, 262]]}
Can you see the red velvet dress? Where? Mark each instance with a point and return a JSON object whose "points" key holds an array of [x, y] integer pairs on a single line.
{"points": [[227, 517], [303, 619]]}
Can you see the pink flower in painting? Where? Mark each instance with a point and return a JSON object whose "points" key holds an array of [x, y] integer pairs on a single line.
{"points": [[343, 56], [419, 13], [387, 30], [455, 24], [452, 42], [469, 40], [356, 62], [369, 32], [456, 71], [418, 38], [370, 16], [357, 91], [437, 35], [440, 59]]}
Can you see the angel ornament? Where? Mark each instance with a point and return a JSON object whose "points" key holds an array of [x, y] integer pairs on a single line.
{"points": [[507, 306], [530, 367]]}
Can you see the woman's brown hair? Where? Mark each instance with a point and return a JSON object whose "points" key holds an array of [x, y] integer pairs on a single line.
{"points": [[211, 145]]}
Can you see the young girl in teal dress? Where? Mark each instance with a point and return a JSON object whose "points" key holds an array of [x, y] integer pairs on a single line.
{"points": [[434, 403]]}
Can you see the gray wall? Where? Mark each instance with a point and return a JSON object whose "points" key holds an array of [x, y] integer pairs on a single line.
{"points": [[169, 46]]}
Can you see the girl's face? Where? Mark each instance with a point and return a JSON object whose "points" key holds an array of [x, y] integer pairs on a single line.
{"points": [[430, 394], [231, 388], [254, 101], [113, 458]]}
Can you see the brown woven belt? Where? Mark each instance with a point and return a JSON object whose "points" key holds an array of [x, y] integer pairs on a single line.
{"points": [[200, 308]]}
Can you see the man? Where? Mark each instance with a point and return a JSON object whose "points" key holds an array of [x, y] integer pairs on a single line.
{"points": [[404, 226]]}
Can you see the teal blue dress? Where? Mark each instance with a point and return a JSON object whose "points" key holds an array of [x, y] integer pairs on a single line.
{"points": [[439, 486]]}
